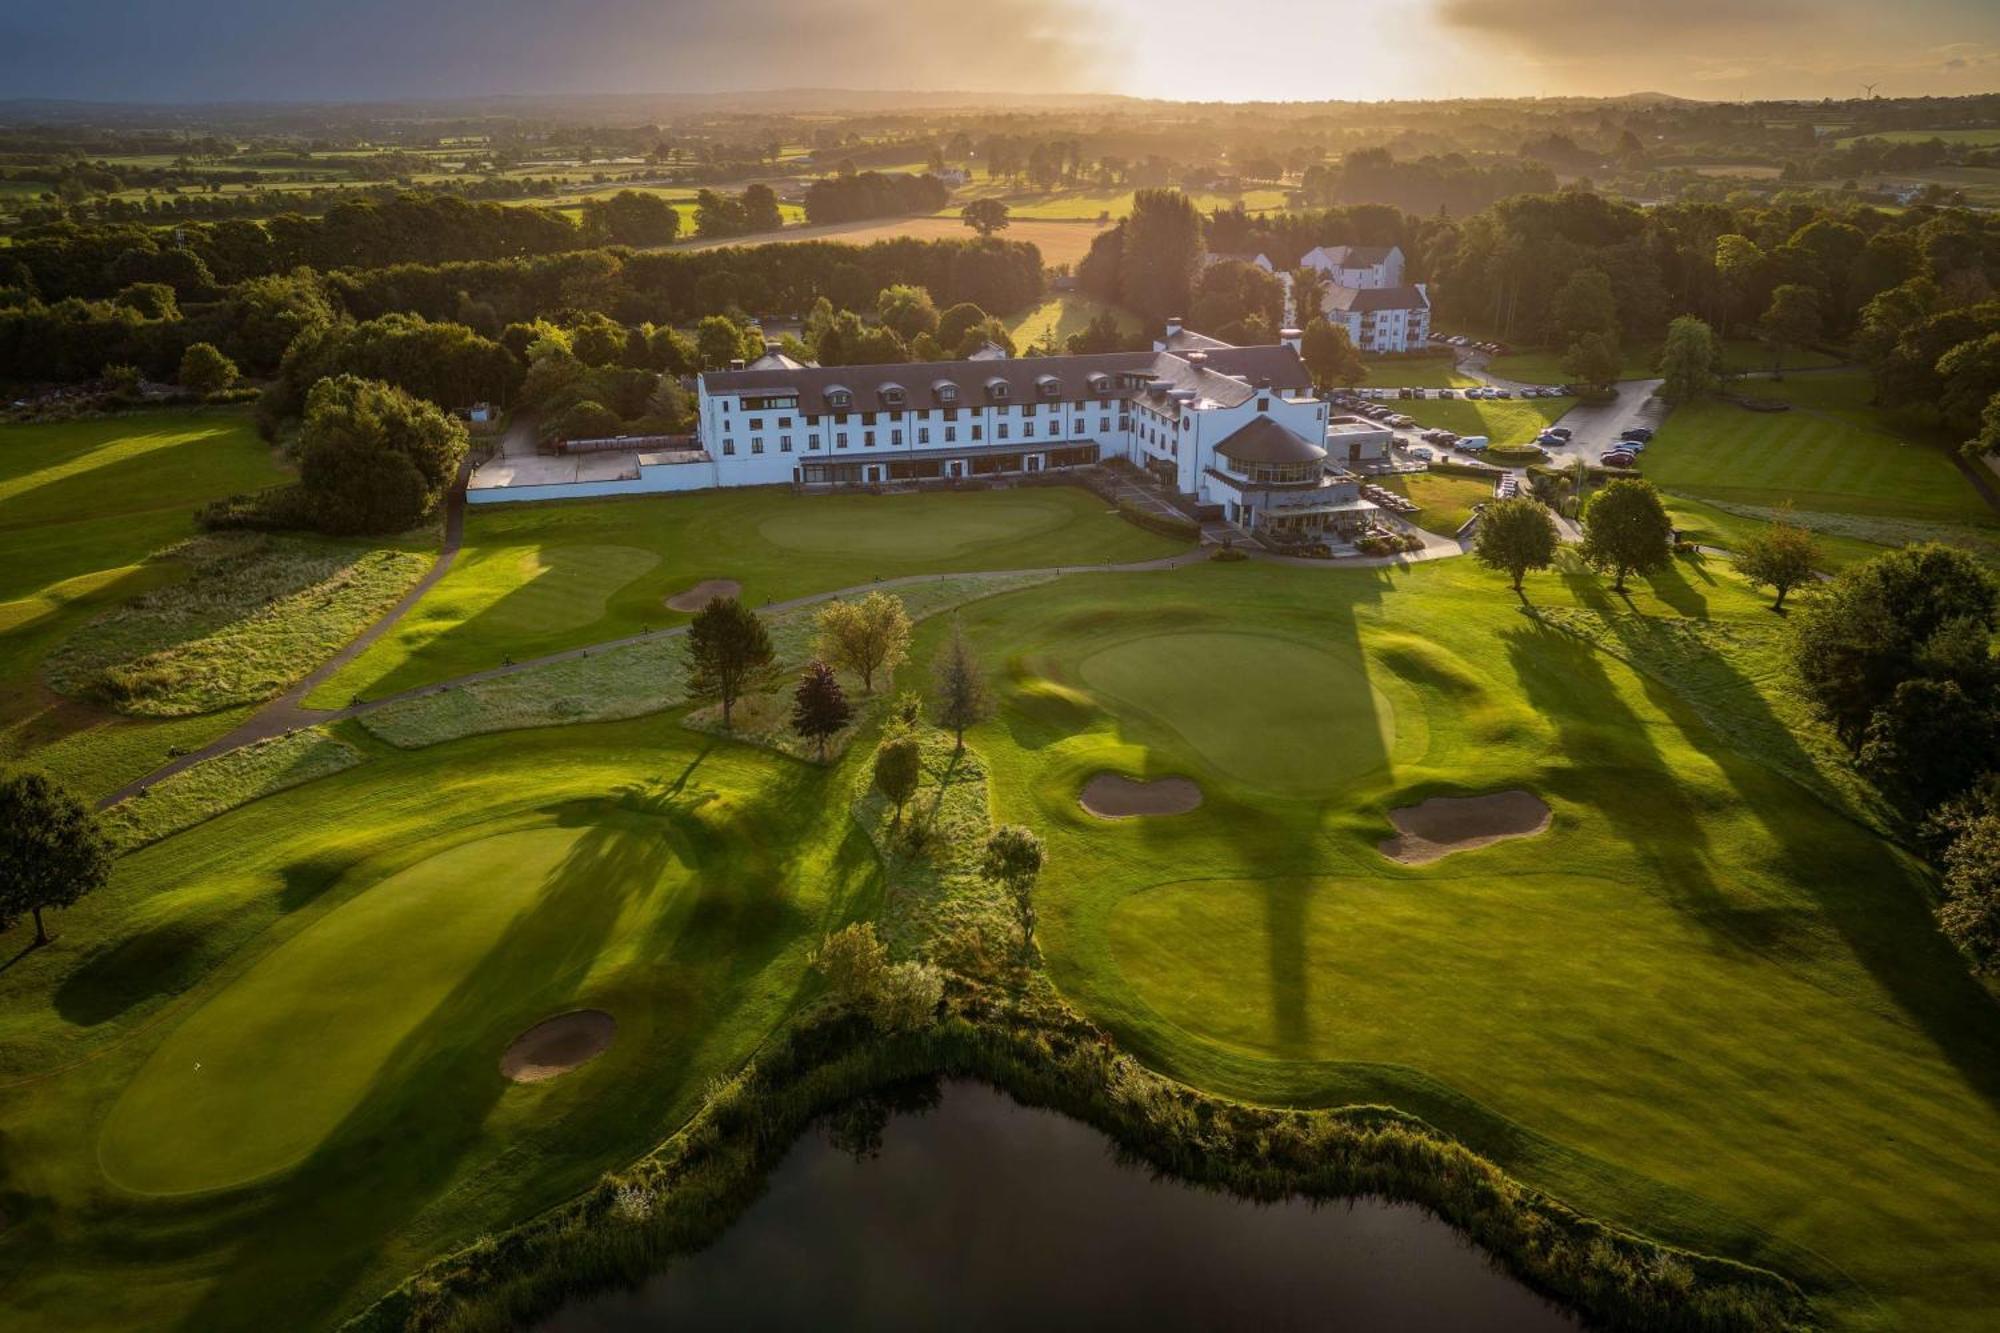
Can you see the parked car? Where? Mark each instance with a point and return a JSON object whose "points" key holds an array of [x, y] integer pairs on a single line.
{"points": [[1643, 434], [1562, 433], [1617, 458], [1421, 454], [1502, 393], [1474, 444], [1631, 446]]}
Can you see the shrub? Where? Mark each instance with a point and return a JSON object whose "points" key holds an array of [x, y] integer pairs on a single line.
{"points": [[375, 459], [205, 370]]}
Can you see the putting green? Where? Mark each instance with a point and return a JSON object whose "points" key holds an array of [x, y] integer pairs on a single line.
{"points": [[264, 1073], [908, 532], [1269, 711]]}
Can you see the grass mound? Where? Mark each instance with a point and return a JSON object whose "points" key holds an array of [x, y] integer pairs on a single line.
{"points": [[255, 613]]}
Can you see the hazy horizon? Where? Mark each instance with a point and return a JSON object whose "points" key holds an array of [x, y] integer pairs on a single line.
{"points": [[207, 51]]}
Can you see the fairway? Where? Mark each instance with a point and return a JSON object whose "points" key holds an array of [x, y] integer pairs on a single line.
{"points": [[536, 579], [1831, 453], [1275, 714], [1706, 1003], [261, 1075]]}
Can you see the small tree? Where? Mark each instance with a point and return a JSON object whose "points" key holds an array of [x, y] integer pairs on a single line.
{"points": [[866, 637], [1626, 530], [52, 851], [727, 646], [1515, 535], [1689, 360], [899, 766], [819, 706], [985, 216], [1593, 359], [1970, 913], [1780, 557], [1013, 860], [205, 370], [897, 997], [1330, 355], [959, 684]]}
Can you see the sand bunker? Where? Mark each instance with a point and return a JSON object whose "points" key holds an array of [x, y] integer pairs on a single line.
{"points": [[557, 1045], [1446, 824], [1112, 796], [701, 594]]}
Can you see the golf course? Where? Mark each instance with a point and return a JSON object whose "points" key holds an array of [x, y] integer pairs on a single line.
{"points": [[1685, 983]]}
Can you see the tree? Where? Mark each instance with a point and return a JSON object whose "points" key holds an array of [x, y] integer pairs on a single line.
{"points": [[1780, 558], [760, 209], [1330, 355], [727, 646], [1584, 305], [868, 636], [719, 340], [52, 851], [205, 370], [1232, 293], [1162, 252], [1930, 742], [373, 458], [1689, 360], [1626, 530], [1104, 333], [1970, 913], [1740, 267], [1515, 535], [952, 325], [985, 216], [1921, 611], [1791, 321], [1308, 293], [959, 686], [1013, 860], [819, 706], [1593, 359], [907, 309], [899, 765], [897, 997]]}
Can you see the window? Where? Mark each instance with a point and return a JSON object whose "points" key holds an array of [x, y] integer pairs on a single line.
{"points": [[756, 444], [1263, 404], [756, 423], [840, 418], [923, 435], [1104, 423], [1027, 430], [895, 437], [951, 435], [1002, 433], [977, 432], [868, 439], [812, 418], [812, 440], [784, 423], [729, 446], [867, 418], [840, 439], [784, 444]]}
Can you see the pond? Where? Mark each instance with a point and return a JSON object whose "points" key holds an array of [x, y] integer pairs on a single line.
{"points": [[979, 1213]]}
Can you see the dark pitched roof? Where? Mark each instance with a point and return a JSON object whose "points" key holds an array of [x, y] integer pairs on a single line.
{"points": [[1363, 256], [1265, 441], [1225, 375], [1373, 298]]}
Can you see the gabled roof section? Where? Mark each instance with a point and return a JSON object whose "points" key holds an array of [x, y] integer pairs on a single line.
{"points": [[1364, 299]]}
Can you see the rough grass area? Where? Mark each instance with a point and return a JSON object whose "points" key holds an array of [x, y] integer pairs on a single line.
{"points": [[537, 579], [1871, 532], [255, 613], [626, 681], [1830, 454], [1447, 500], [1063, 314], [213, 786], [1501, 420]]}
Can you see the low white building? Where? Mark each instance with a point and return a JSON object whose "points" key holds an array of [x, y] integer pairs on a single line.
{"points": [[1357, 265]]}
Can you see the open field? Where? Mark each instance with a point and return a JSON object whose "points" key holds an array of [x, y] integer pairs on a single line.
{"points": [[1447, 500], [1707, 1003], [82, 507], [1830, 453], [1059, 242], [1977, 138], [1090, 205], [1416, 372], [535, 579]]}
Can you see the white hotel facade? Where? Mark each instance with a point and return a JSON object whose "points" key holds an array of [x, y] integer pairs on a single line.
{"points": [[1232, 427]]}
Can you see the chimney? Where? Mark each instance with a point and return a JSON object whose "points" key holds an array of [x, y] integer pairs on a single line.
{"points": [[736, 363], [1294, 339], [1173, 325]]}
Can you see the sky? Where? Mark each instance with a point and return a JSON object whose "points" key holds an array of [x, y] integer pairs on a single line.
{"points": [[1204, 50]]}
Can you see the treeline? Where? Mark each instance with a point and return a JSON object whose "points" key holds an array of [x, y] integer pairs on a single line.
{"points": [[144, 324], [873, 194], [1449, 184]]}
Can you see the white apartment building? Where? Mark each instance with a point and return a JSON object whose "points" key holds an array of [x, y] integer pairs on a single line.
{"points": [[1365, 294]]}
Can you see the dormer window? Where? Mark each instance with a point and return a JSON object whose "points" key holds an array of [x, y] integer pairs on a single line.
{"points": [[946, 391], [997, 390], [839, 399], [1048, 386], [892, 395]]}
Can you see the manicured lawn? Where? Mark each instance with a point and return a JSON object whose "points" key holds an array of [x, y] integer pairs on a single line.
{"points": [[1415, 372], [1708, 1003], [1641, 361], [538, 578], [1060, 316], [306, 999], [1447, 500], [1831, 453], [82, 506], [1501, 420]]}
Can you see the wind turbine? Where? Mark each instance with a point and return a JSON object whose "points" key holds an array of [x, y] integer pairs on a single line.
{"points": [[1868, 91]]}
